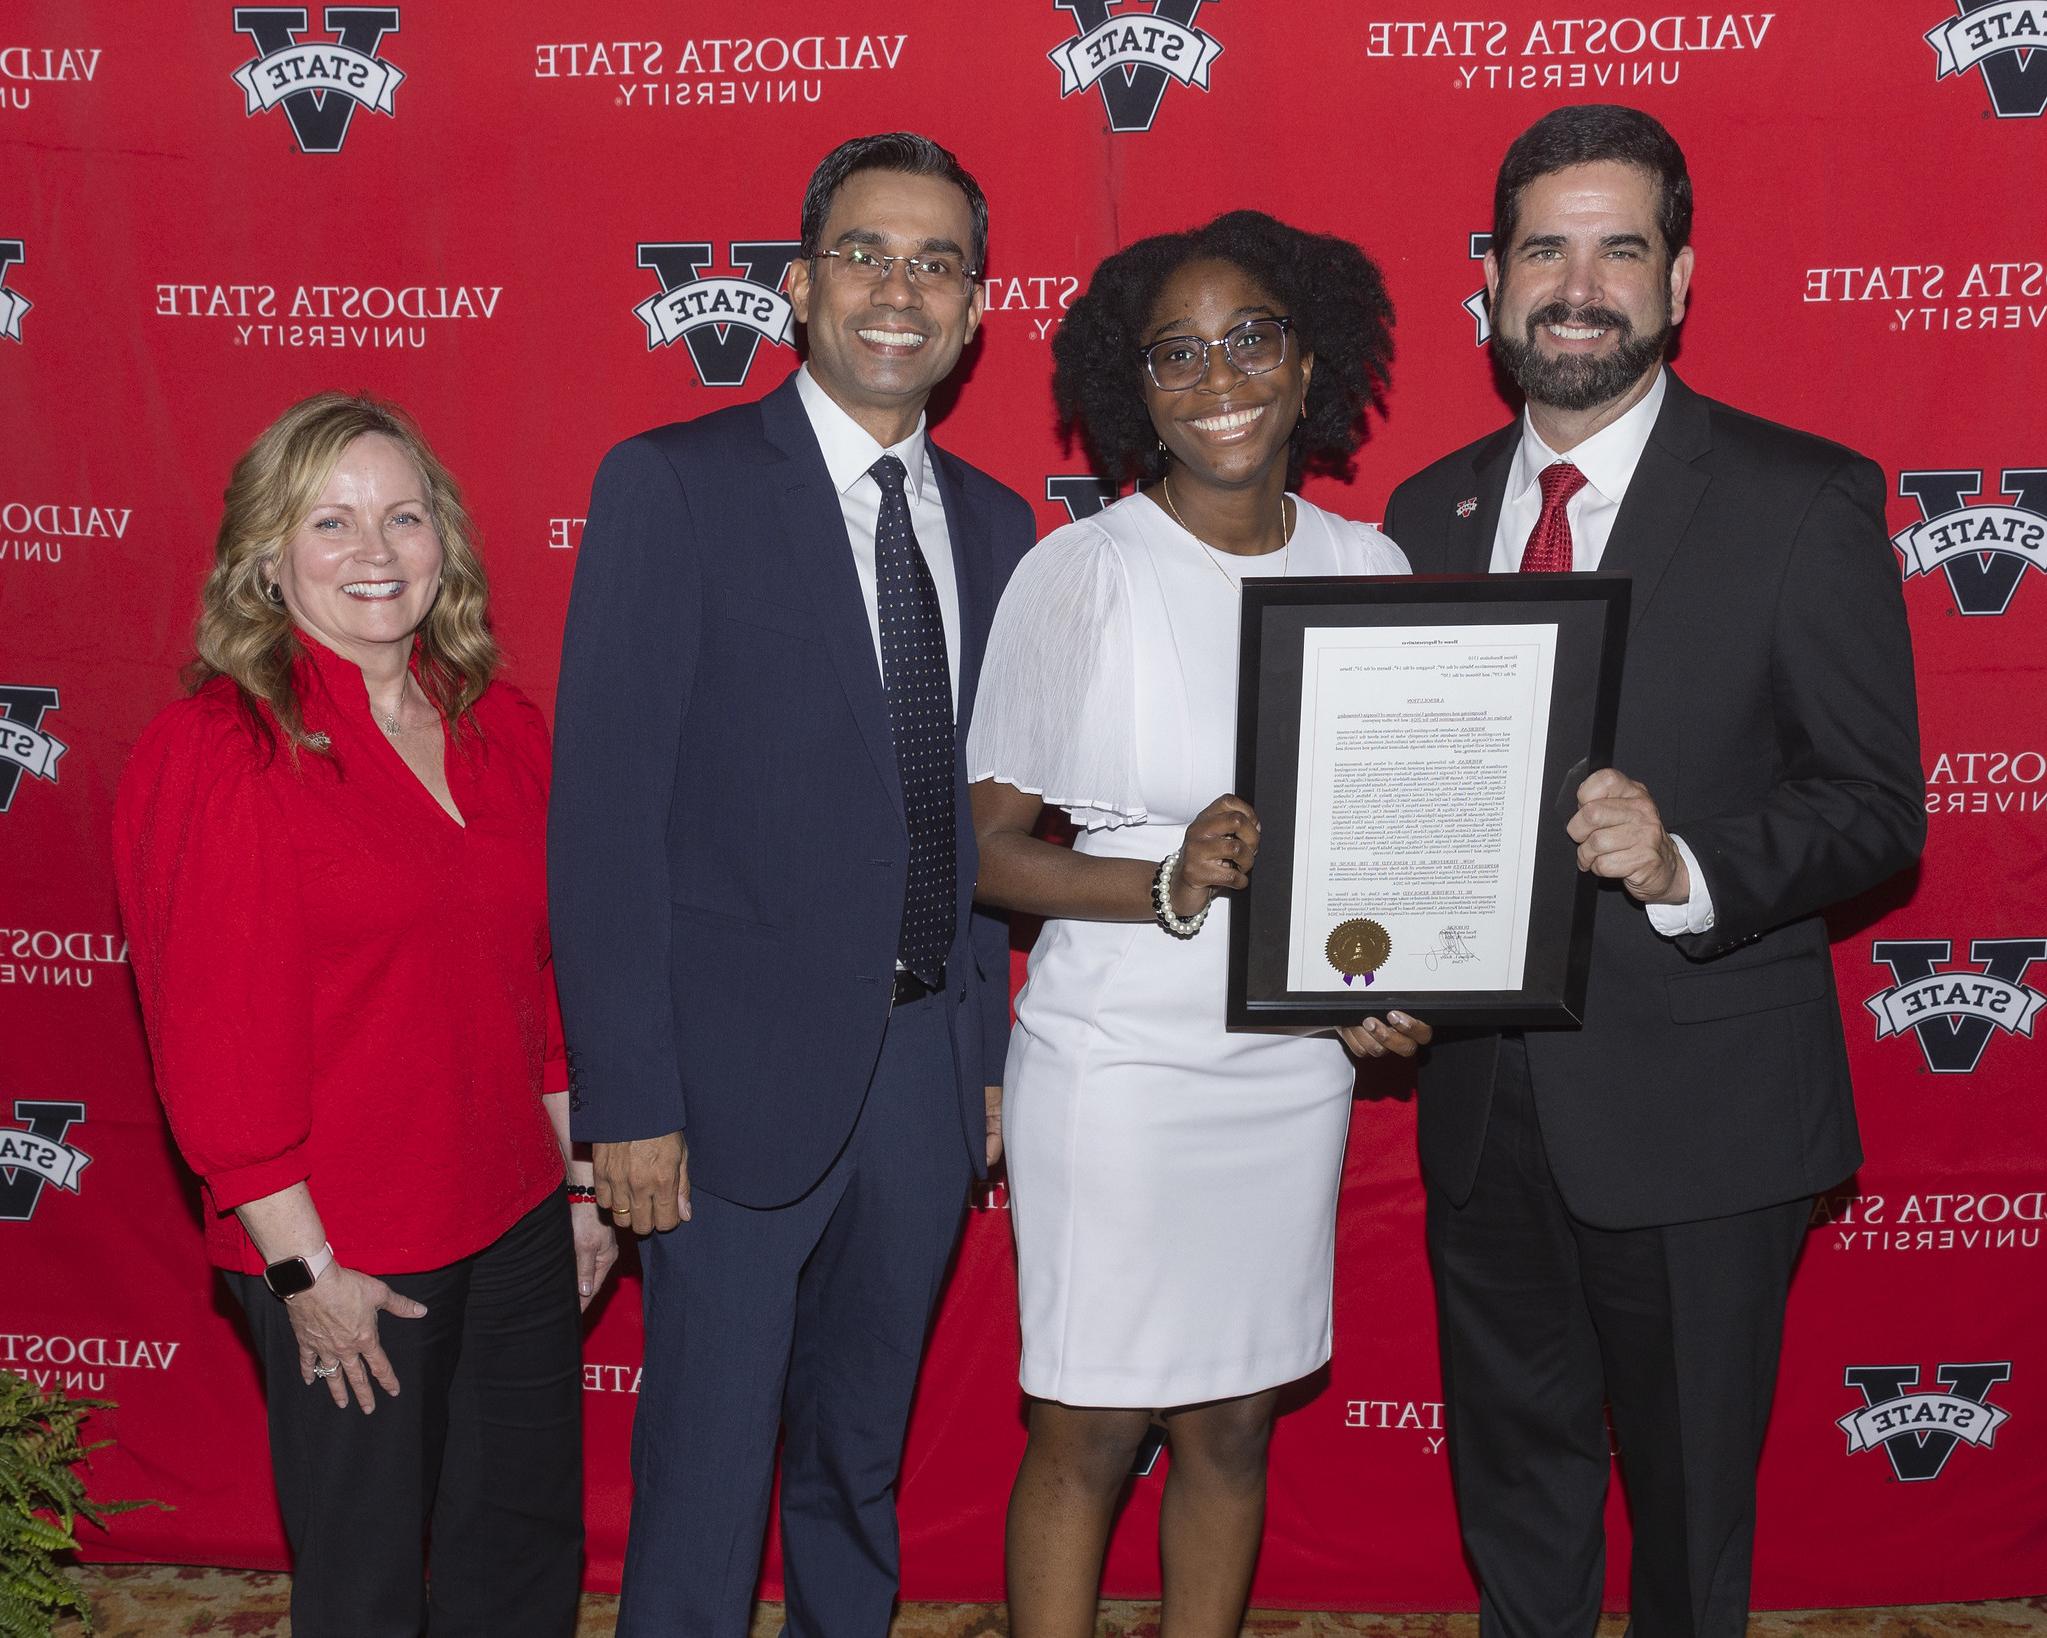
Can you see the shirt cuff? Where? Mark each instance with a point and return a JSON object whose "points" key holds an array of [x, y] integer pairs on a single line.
{"points": [[1695, 915], [233, 1186]]}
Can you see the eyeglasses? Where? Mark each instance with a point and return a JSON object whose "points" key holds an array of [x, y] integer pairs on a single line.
{"points": [[1255, 346], [940, 274]]}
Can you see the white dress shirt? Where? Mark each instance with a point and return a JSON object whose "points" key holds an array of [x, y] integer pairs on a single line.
{"points": [[849, 450], [1608, 459]]}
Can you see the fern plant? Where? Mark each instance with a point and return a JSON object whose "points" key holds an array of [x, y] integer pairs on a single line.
{"points": [[42, 1497]]}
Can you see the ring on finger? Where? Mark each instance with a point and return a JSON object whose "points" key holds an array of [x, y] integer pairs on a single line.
{"points": [[327, 1370], [621, 1211]]}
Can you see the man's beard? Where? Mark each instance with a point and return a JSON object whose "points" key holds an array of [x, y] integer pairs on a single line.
{"points": [[1580, 381]]}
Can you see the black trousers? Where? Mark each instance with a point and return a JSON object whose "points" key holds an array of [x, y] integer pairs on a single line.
{"points": [[1545, 1321], [482, 1448]]}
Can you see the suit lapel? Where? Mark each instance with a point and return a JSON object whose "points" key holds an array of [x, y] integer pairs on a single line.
{"points": [[965, 528], [972, 568], [1662, 496], [1471, 540], [815, 528]]}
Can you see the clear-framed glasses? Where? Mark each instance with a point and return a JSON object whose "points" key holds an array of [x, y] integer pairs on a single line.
{"points": [[1255, 346], [940, 274]]}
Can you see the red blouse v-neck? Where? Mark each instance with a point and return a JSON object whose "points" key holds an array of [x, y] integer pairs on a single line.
{"points": [[341, 984]]}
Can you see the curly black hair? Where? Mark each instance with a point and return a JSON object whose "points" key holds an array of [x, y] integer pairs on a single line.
{"points": [[1332, 289]]}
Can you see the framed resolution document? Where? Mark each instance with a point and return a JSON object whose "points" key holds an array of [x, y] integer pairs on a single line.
{"points": [[1414, 747]]}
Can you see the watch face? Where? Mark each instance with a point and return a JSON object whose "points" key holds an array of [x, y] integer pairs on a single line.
{"points": [[288, 1278]]}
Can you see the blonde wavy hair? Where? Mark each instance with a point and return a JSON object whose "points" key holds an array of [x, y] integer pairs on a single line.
{"points": [[242, 634]]}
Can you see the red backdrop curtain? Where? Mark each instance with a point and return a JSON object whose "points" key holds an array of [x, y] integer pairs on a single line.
{"points": [[517, 220]]}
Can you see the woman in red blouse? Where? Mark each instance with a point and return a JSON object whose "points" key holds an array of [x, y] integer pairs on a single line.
{"points": [[330, 862]]}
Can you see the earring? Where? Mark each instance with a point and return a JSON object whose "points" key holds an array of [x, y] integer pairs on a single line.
{"points": [[274, 592]]}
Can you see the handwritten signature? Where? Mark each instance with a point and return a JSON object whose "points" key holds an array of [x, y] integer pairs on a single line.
{"points": [[1453, 950]]}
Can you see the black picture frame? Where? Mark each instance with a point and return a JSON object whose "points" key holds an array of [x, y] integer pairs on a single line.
{"points": [[1590, 612]]}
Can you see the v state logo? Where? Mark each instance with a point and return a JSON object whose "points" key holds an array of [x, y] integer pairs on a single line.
{"points": [[2005, 41], [318, 83], [24, 747], [1919, 1429], [1953, 1010], [1081, 493], [34, 1154], [1983, 547], [1476, 304], [1130, 56], [13, 304], [720, 319]]}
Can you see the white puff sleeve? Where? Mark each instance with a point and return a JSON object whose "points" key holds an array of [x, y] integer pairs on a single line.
{"points": [[1055, 712], [1366, 550]]}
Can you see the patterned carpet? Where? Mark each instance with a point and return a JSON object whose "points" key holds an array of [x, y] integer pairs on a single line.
{"points": [[170, 1601]]}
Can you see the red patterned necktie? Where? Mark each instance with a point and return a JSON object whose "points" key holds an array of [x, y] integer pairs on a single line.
{"points": [[1549, 543]]}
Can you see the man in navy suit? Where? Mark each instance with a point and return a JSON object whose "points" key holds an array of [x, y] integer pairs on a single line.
{"points": [[786, 1023]]}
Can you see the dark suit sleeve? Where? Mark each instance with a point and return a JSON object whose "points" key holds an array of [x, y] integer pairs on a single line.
{"points": [[991, 956], [1848, 807], [1015, 529], [1396, 519], [628, 658]]}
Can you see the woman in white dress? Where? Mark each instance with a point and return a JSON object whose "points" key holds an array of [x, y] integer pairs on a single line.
{"points": [[1173, 1186]]}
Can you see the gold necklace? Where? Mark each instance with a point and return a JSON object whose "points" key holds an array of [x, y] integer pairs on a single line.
{"points": [[1286, 535]]}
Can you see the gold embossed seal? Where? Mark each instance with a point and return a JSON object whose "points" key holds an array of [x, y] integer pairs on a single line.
{"points": [[1359, 946]]}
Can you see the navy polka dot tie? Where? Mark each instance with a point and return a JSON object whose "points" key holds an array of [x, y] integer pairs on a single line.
{"points": [[918, 682]]}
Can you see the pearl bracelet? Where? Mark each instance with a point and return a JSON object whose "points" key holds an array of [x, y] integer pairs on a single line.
{"points": [[1162, 900]]}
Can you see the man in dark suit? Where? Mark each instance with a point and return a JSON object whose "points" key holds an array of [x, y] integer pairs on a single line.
{"points": [[786, 1025], [1614, 1211]]}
